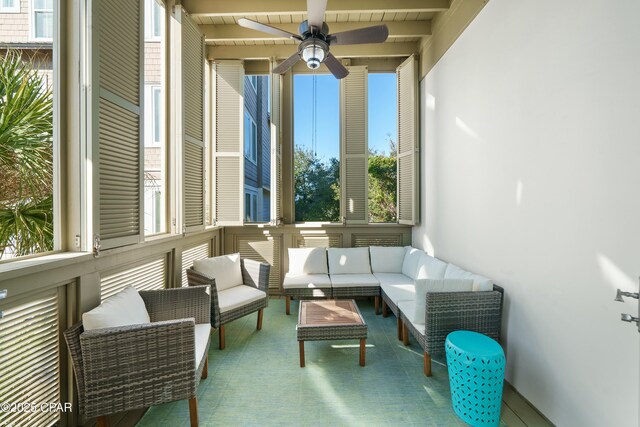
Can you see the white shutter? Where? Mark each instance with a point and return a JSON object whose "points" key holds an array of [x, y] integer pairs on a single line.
{"points": [[115, 120], [354, 146], [263, 249], [408, 158], [276, 148], [228, 152], [30, 357], [193, 148], [192, 254], [150, 274]]}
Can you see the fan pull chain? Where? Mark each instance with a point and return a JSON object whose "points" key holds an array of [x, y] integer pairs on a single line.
{"points": [[314, 112]]}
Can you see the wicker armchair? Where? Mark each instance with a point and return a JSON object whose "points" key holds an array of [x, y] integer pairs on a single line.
{"points": [[137, 366], [452, 311], [254, 274]]}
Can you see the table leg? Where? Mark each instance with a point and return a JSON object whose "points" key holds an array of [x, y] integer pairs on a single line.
{"points": [[301, 343], [362, 351]]}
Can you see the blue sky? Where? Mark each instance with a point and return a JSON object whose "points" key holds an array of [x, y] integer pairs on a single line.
{"points": [[382, 112]]}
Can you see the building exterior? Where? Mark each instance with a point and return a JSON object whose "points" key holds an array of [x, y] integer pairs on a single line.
{"points": [[257, 149]]}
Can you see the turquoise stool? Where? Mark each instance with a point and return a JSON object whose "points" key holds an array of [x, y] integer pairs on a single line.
{"points": [[476, 375]]}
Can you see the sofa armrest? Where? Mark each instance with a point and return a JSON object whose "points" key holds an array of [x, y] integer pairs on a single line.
{"points": [[137, 366], [178, 303], [450, 311], [256, 274], [195, 278]]}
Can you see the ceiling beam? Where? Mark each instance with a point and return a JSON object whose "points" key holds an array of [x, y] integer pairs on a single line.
{"points": [[232, 32], [284, 51], [288, 7]]}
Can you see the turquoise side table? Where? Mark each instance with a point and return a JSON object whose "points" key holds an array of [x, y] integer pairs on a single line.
{"points": [[476, 375]]}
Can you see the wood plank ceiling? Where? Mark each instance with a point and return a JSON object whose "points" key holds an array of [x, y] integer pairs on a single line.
{"points": [[409, 22]]}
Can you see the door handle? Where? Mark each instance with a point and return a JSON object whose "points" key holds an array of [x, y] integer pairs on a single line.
{"points": [[620, 294], [625, 317]]}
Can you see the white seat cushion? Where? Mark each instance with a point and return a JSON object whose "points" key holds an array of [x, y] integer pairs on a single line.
{"points": [[122, 309], [203, 330], [480, 283], [353, 280], [393, 279], [308, 261], [349, 261], [430, 268], [305, 281], [436, 285], [238, 296], [408, 308], [387, 259], [411, 261], [225, 269], [397, 293]]}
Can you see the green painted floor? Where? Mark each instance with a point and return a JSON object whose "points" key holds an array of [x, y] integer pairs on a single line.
{"points": [[257, 379]]}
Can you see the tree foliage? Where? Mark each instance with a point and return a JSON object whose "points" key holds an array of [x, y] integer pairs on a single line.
{"points": [[383, 185], [317, 187], [26, 158]]}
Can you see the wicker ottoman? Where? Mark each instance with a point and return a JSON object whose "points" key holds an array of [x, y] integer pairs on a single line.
{"points": [[476, 375], [330, 320]]}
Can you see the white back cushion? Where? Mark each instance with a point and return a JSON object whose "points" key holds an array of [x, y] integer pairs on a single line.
{"points": [[386, 259], [480, 283], [349, 261], [430, 268], [436, 285], [225, 269], [410, 263], [124, 308], [307, 261]]}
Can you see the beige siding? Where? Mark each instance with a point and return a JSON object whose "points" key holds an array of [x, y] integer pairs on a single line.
{"points": [[152, 62], [15, 27]]}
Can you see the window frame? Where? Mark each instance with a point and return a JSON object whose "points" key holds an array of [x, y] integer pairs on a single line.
{"points": [[150, 28], [33, 20], [252, 156], [11, 9]]}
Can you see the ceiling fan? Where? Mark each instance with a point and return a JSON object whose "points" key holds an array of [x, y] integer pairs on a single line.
{"points": [[315, 39]]}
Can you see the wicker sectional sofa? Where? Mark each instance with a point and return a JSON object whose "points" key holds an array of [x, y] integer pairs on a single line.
{"points": [[429, 297]]}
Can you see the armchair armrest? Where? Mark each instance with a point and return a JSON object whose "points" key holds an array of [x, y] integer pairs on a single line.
{"points": [[195, 278], [256, 274], [178, 303], [137, 366], [450, 311]]}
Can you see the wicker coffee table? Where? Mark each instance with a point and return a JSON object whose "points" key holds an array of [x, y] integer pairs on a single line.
{"points": [[330, 320]]}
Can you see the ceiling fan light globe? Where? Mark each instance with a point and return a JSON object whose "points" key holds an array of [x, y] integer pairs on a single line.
{"points": [[313, 63]]}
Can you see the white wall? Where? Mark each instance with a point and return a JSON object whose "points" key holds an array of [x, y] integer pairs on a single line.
{"points": [[531, 176]]}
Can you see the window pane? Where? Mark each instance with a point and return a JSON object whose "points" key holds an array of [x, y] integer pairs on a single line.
{"points": [[43, 4], [43, 22], [383, 137], [26, 159], [257, 146], [316, 127], [155, 187]]}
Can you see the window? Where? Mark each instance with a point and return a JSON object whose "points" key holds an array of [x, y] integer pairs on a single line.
{"points": [[383, 139], [254, 82], [257, 148], [155, 188], [27, 159], [316, 128], [250, 205], [153, 20], [9, 6], [250, 138], [42, 19]]}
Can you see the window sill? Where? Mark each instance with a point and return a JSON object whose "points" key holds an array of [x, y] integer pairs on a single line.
{"points": [[23, 266]]}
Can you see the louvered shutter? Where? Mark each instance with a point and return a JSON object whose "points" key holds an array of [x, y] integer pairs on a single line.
{"points": [[191, 254], [263, 249], [228, 152], [276, 149], [193, 148], [408, 158], [115, 120], [30, 356], [354, 146], [150, 274]]}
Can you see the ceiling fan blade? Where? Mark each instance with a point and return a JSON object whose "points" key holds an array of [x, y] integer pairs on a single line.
{"points": [[336, 68], [375, 34], [286, 64], [253, 25], [315, 13]]}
